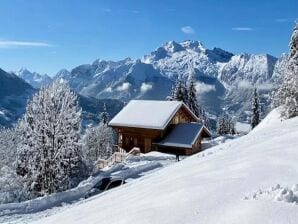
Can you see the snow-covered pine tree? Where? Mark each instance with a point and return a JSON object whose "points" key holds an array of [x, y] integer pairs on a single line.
{"points": [[255, 120], [181, 93], [49, 156], [192, 101], [230, 125], [225, 125], [171, 97], [205, 119], [220, 128], [8, 147], [98, 143], [104, 116], [287, 94]]}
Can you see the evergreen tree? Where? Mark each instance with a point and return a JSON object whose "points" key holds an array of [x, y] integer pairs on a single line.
{"points": [[287, 94], [181, 93], [171, 97], [104, 116], [98, 143], [49, 156], [255, 120], [192, 101], [220, 128], [9, 141], [225, 125], [204, 118]]}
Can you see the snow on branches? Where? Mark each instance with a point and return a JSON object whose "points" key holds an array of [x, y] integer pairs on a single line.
{"points": [[49, 156], [287, 94]]}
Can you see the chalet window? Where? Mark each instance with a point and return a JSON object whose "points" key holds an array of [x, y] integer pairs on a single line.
{"points": [[126, 140], [120, 138], [176, 120], [130, 140]]}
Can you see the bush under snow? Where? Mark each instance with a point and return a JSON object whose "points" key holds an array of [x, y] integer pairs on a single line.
{"points": [[12, 188]]}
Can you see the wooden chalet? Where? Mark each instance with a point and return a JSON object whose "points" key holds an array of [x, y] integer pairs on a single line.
{"points": [[167, 126]]}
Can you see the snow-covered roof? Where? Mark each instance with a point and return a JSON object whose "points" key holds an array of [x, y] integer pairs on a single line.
{"points": [[183, 135], [151, 114]]}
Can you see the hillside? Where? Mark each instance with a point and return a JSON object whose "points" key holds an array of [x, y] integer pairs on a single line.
{"points": [[247, 180], [14, 93]]}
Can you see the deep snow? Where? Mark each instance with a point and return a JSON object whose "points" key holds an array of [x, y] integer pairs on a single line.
{"points": [[133, 167], [214, 186]]}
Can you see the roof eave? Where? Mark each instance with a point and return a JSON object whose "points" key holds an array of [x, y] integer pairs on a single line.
{"points": [[115, 125]]}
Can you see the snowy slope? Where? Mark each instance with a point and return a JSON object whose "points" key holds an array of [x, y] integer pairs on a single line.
{"points": [[242, 181]]}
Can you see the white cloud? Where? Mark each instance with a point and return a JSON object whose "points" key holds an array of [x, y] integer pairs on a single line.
{"points": [[15, 44], [109, 89], [124, 87], [204, 88], [242, 28], [145, 87], [265, 86], [136, 11], [244, 85], [187, 30]]}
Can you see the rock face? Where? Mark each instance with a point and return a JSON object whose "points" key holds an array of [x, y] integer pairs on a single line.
{"points": [[34, 79], [224, 80]]}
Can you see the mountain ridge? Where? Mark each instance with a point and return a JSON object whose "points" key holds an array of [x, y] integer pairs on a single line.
{"points": [[224, 80]]}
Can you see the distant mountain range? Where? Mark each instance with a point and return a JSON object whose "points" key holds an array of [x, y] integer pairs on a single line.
{"points": [[15, 92], [34, 79], [224, 80]]}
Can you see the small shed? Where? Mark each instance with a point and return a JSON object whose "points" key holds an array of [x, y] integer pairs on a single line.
{"points": [[184, 139]]}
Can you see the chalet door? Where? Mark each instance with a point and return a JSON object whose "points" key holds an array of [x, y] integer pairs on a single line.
{"points": [[147, 145]]}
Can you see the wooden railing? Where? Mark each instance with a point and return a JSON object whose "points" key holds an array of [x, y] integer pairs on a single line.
{"points": [[118, 157]]}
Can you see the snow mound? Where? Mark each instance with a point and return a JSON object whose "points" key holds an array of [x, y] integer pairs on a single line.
{"points": [[46, 202], [276, 193], [271, 120], [288, 195]]}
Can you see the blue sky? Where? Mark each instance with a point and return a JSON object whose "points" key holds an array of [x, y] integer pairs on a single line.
{"points": [[47, 35]]}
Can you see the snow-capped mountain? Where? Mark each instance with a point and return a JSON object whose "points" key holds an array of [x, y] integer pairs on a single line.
{"points": [[121, 80], [174, 59], [224, 80], [14, 93], [34, 79]]}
